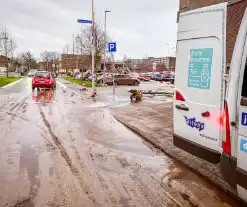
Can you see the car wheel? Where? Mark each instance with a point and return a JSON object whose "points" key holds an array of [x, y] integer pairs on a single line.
{"points": [[136, 83]]}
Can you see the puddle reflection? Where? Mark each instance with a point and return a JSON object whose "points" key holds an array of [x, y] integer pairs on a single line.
{"points": [[44, 96]]}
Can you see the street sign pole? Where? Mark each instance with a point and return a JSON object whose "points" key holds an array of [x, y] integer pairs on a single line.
{"points": [[93, 44], [93, 86], [112, 47]]}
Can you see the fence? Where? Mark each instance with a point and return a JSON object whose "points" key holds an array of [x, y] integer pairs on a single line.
{"points": [[12, 74]]}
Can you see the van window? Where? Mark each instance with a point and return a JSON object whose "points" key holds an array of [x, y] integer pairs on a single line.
{"points": [[244, 86]]}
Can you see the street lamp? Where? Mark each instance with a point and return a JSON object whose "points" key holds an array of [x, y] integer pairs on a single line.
{"points": [[106, 11], [168, 46], [173, 49]]}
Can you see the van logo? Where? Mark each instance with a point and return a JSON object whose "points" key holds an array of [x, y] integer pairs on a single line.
{"points": [[194, 124], [244, 119], [243, 145]]}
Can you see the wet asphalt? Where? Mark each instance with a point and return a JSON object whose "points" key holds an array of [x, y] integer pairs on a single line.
{"points": [[59, 149]]}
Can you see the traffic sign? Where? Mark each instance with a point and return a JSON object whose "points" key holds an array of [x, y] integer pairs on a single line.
{"points": [[84, 21], [112, 47]]}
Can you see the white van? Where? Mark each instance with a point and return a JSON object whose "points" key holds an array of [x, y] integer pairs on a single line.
{"points": [[210, 106]]}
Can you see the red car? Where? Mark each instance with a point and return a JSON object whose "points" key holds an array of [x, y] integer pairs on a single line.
{"points": [[43, 79]]}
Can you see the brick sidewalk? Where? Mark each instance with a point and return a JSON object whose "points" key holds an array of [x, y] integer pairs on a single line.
{"points": [[154, 123]]}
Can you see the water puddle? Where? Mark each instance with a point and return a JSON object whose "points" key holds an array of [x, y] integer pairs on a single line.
{"points": [[43, 97], [29, 162]]}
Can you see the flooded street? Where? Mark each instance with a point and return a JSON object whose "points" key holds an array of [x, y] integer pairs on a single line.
{"points": [[59, 150]]}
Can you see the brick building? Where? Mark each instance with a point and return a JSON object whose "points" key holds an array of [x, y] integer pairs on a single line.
{"points": [[234, 16], [73, 62]]}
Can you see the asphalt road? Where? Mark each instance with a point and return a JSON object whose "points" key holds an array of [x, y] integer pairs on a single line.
{"points": [[58, 149]]}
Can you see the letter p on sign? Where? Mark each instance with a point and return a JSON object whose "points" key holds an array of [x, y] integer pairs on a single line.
{"points": [[112, 47]]}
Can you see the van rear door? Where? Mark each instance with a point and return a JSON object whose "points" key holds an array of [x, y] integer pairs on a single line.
{"points": [[200, 68]]}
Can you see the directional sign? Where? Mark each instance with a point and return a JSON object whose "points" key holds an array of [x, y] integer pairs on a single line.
{"points": [[112, 47], [84, 21], [200, 65]]}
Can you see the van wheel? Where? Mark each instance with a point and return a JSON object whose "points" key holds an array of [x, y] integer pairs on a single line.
{"points": [[136, 83]]}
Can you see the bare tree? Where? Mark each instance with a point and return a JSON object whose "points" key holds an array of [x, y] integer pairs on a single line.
{"points": [[7, 47], [84, 42], [52, 57], [46, 58], [28, 60]]}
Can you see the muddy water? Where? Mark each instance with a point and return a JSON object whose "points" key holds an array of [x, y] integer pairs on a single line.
{"points": [[59, 150]]}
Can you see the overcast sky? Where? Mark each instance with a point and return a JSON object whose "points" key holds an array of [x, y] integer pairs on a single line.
{"points": [[140, 27]]}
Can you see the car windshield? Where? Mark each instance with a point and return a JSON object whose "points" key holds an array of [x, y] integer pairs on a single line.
{"points": [[42, 75]]}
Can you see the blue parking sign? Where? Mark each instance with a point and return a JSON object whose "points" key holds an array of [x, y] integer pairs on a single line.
{"points": [[244, 119], [112, 47]]}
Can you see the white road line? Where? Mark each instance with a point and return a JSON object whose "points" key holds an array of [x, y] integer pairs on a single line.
{"points": [[65, 87]]}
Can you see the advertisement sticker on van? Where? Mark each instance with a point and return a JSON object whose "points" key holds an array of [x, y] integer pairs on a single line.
{"points": [[200, 65], [192, 122], [244, 119], [243, 145]]}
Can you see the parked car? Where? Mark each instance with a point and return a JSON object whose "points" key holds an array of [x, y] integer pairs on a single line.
{"points": [[210, 106], [32, 72], [168, 78], [158, 77], [124, 80], [43, 79]]}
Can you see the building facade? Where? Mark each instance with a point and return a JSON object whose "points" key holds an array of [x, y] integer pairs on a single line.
{"points": [[163, 63], [75, 62], [235, 14]]}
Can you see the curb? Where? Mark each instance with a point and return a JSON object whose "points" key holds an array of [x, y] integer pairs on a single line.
{"points": [[11, 84], [211, 178]]}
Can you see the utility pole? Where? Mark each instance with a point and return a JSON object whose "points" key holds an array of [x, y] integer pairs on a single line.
{"points": [[106, 11], [93, 47]]}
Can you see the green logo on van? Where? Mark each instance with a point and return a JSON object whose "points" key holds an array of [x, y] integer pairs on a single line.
{"points": [[200, 65]]}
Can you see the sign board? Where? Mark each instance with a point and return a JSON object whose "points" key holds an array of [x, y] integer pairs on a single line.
{"points": [[84, 21], [200, 65], [112, 47]]}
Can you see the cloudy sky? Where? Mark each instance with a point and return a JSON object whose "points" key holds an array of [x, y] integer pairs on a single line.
{"points": [[140, 27]]}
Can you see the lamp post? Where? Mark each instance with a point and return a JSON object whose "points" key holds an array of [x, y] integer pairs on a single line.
{"points": [[173, 49], [106, 11], [168, 46]]}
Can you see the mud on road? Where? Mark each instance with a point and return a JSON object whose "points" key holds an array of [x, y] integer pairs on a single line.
{"points": [[67, 152]]}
